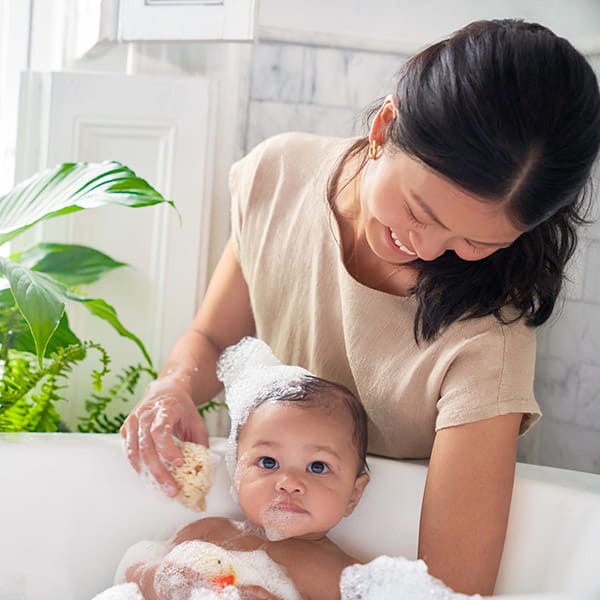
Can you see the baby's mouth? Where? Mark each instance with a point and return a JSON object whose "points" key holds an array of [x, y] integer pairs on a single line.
{"points": [[287, 506]]}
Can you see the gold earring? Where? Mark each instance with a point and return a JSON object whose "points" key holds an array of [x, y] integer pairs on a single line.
{"points": [[374, 149]]}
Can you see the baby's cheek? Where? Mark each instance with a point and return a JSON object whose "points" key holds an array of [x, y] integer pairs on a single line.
{"points": [[249, 502], [242, 472]]}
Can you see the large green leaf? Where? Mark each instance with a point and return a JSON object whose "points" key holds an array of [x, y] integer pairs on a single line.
{"points": [[71, 187], [22, 339], [40, 299], [69, 263], [105, 311]]}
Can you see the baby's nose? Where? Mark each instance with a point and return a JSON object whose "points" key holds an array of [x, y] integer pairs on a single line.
{"points": [[290, 482]]}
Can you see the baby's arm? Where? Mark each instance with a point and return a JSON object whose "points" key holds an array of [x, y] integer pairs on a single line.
{"points": [[142, 560]]}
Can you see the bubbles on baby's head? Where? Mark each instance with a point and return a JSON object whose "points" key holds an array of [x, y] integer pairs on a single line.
{"points": [[390, 578], [250, 371]]}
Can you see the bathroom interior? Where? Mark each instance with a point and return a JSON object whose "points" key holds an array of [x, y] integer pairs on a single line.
{"points": [[179, 95]]}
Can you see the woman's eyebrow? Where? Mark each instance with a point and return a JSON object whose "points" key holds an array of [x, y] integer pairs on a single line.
{"points": [[426, 208]]}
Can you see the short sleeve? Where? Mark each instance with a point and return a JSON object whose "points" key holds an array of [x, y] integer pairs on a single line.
{"points": [[491, 374]]}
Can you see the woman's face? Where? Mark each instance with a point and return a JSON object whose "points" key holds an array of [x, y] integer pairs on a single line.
{"points": [[409, 211]]}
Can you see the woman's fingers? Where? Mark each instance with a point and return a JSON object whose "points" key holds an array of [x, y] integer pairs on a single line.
{"points": [[164, 421], [129, 432], [151, 455], [191, 428], [166, 410]]}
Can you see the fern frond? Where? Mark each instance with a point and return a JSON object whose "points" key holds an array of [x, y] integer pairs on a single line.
{"points": [[210, 406], [29, 394], [96, 420]]}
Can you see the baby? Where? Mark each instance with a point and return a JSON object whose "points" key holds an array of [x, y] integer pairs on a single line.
{"points": [[297, 456]]}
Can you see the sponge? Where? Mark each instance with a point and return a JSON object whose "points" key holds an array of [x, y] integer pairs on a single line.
{"points": [[195, 476]]}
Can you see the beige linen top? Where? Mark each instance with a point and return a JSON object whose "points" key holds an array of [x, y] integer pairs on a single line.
{"points": [[312, 313]]}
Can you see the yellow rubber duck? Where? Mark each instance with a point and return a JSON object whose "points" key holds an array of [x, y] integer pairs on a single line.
{"points": [[221, 568]]}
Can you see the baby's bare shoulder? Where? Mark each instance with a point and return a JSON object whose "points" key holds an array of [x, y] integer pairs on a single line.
{"points": [[205, 529]]}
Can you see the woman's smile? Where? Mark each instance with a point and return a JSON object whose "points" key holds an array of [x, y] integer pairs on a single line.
{"points": [[399, 246]]}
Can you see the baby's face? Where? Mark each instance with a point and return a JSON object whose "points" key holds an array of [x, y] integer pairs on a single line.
{"points": [[296, 472]]}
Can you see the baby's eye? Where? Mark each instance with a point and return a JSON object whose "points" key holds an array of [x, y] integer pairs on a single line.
{"points": [[317, 467], [267, 462]]}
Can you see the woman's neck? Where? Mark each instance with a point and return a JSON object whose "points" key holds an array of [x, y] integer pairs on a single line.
{"points": [[360, 261]]}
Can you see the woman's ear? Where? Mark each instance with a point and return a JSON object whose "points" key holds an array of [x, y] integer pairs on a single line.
{"points": [[384, 117], [359, 487]]}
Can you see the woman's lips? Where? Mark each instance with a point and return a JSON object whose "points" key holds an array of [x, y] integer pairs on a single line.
{"points": [[398, 245]]}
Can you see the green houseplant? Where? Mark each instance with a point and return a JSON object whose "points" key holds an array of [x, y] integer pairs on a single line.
{"points": [[38, 349]]}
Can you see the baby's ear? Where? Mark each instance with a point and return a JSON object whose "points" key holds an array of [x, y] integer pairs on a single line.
{"points": [[359, 487]]}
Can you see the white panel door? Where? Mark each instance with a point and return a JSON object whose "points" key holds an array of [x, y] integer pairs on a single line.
{"points": [[223, 20], [161, 127]]}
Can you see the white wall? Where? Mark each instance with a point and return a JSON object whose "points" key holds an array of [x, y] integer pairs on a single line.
{"points": [[404, 26]]}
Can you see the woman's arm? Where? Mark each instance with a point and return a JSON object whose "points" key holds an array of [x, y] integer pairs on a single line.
{"points": [[189, 377], [466, 502]]}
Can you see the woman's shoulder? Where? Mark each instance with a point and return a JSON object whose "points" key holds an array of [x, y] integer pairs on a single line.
{"points": [[508, 327], [294, 150], [292, 142]]}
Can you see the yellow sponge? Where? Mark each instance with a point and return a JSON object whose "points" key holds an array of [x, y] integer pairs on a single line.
{"points": [[195, 476]]}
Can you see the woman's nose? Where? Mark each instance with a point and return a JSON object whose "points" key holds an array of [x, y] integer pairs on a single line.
{"points": [[429, 245], [290, 482]]}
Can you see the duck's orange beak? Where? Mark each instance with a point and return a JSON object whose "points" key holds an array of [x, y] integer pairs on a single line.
{"points": [[221, 581]]}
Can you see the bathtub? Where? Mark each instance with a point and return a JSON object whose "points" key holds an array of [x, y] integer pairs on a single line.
{"points": [[70, 505]]}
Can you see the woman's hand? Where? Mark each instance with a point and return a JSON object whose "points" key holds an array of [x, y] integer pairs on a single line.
{"points": [[168, 406], [166, 410]]}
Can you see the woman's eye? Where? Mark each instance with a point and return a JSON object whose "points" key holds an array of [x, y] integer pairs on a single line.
{"points": [[414, 219], [267, 462], [317, 467], [474, 248]]}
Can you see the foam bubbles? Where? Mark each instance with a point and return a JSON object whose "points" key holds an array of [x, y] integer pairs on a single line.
{"points": [[144, 552], [390, 578], [195, 566], [277, 524], [248, 370], [229, 593]]}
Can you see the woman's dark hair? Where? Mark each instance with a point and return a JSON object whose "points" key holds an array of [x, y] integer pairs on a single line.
{"points": [[313, 391], [510, 112]]}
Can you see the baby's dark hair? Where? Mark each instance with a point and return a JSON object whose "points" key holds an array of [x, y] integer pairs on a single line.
{"points": [[311, 391]]}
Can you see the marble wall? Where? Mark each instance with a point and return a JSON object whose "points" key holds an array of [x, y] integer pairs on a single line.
{"points": [[324, 90], [317, 89]]}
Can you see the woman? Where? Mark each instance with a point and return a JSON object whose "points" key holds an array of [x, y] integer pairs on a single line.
{"points": [[411, 266]]}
